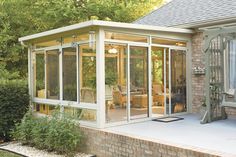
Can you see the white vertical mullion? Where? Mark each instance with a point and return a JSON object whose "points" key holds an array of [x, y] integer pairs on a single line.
{"points": [[61, 73], [77, 74], [165, 81], [45, 73], [150, 77], [170, 105], [30, 78], [100, 82], [128, 83]]}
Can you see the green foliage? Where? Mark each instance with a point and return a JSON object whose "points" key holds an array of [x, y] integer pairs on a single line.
{"points": [[58, 133], [8, 154], [24, 129], [14, 103], [24, 17]]}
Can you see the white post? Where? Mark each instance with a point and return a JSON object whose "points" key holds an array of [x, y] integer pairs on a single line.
{"points": [[150, 77], [61, 73], [170, 105], [165, 104], [30, 76], [128, 84], [100, 79]]}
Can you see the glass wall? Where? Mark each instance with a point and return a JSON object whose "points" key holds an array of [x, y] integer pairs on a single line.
{"points": [[178, 81], [45, 109], [81, 114], [69, 74], [52, 77], [158, 105], [138, 82], [87, 73], [115, 82], [126, 37], [75, 66], [39, 79], [126, 76]]}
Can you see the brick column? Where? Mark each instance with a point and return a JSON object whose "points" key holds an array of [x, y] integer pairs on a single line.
{"points": [[198, 81]]}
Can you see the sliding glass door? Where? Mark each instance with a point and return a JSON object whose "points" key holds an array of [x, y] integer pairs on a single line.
{"points": [[127, 82], [168, 81], [178, 100], [138, 72]]}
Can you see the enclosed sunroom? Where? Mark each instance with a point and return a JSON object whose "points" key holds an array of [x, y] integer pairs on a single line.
{"points": [[108, 73]]}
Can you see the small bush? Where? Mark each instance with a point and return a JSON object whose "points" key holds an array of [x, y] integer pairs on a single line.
{"points": [[23, 131], [58, 133], [14, 103]]}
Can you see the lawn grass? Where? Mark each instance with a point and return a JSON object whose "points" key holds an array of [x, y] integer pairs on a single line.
{"points": [[8, 154]]}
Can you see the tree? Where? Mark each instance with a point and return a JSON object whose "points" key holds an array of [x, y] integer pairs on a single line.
{"points": [[24, 17]]}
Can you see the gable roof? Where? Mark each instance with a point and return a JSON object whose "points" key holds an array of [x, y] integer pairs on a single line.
{"points": [[191, 13]]}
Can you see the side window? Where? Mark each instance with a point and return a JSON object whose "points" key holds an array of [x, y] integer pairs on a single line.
{"points": [[232, 64]]}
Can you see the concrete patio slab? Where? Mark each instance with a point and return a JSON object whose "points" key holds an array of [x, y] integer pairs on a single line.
{"points": [[218, 136]]}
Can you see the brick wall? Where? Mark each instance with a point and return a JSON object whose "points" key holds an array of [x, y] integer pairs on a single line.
{"points": [[198, 82], [107, 144]]}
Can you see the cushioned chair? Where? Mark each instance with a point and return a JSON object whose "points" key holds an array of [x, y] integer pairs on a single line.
{"points": [[120, 96], [158, 94]]}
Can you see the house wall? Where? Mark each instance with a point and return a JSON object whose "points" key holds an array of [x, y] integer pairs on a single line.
{"points": [[107, 144], [198, 81]]}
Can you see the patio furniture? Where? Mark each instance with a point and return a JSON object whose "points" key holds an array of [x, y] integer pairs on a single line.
{"points": [[140, 101], [158, 94], [109, 96], [229, 98], [119, 96]]}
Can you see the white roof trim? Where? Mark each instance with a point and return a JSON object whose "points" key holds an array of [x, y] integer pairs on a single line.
{"points": [[105, 24]]}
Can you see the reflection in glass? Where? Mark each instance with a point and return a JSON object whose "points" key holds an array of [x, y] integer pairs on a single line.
{"points": [[87, 73], [81, 114], [138, 82], [158, 81], [39, 75], [126, 37], [45, 109], [69, 74], [178, 81], [53, 89], [168, 42], [115, 82]]}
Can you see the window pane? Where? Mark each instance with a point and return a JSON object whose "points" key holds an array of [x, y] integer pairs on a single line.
{"points": [[125, 37], [87, 73], [115, 82], [39, 75], [232, 65], [47, 43], [45, 109], [69, 74], [81, 114], [168, 42], [178, 81], [53, 89], [138, 82], [76, 38], [158, 92]]}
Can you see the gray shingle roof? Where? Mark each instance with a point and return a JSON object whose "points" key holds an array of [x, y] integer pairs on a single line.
{"points": [[181, 12]]}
